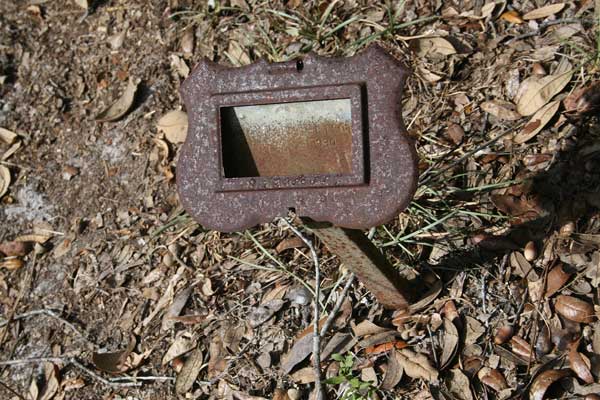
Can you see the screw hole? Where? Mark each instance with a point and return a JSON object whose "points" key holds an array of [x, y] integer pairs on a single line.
{"points": [[299, 65]]}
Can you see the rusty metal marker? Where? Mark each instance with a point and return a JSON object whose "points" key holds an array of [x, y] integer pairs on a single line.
{"points": [[321, 136]]}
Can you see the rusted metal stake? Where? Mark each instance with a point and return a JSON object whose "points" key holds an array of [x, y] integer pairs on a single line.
{"points": [[363, 258]]}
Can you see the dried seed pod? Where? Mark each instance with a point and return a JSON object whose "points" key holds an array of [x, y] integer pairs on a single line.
{"points": [[11, 263], [574, 309], [578, 364], [503, 334], [543, 381], [538, 69], [492, 378], [522, 348], [557, 277], [530, 251]]}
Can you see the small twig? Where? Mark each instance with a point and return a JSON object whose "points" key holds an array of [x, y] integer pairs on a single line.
{"points": [[49, 313], [142, 378], [316, 335], [338, 305], [73, 361], [5, 386]]}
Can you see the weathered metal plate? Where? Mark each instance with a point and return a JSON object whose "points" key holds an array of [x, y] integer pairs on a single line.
{"points": [[371, 267], [322, 136]]}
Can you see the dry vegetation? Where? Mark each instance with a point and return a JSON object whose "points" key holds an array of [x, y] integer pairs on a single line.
{"points": [[109, 291]]}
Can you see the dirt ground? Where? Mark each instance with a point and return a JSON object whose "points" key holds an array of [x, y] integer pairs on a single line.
{"points": [[108, 290]]}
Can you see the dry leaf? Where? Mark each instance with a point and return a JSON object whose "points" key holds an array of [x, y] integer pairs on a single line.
{"points": [[474, 330], [385, 347], [120, 107], [366, 327], [175, 308], [14, 248], [512, 16], [492, 378], [7, 136], [543, 381], [450, 344], [580, 365], [298, 353], [82, 3], [191, 368], [4, 180], [431, 295], [289, 243], [501, 109], [261, 314], [393, 372], [522, 348], [544, 11], [522, 267], [179, 66], [458, 384], [574, 309], [174, 125], [437, 45], [535, 92], [183, 343], [51, 385], [537, 122], [216, 354], [304, 375], [557, 277], [417, 366]]}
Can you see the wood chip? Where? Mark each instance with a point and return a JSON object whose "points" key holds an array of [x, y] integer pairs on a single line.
{"points": [[7, 136], [4, 180]]}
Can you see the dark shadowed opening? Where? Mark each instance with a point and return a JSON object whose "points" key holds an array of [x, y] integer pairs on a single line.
{"points": [[287, 139]]}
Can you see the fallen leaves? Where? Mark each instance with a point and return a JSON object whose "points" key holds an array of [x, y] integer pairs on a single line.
{"points": [[535, 92], [120, 107], [261, 314], [501, 109], [574, 309], [537, 122], [190, 371], [174, 125], [417, 365], [12, 263], [434, 45], [545, 11]]}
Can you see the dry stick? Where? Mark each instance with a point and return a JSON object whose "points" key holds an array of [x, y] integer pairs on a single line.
{"points": [[49, 313], [5, 386], [338, 305], [316, 336], [73, 361]]}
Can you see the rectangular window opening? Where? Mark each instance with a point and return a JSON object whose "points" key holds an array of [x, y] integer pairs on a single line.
{"points": [[287, 139]]}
